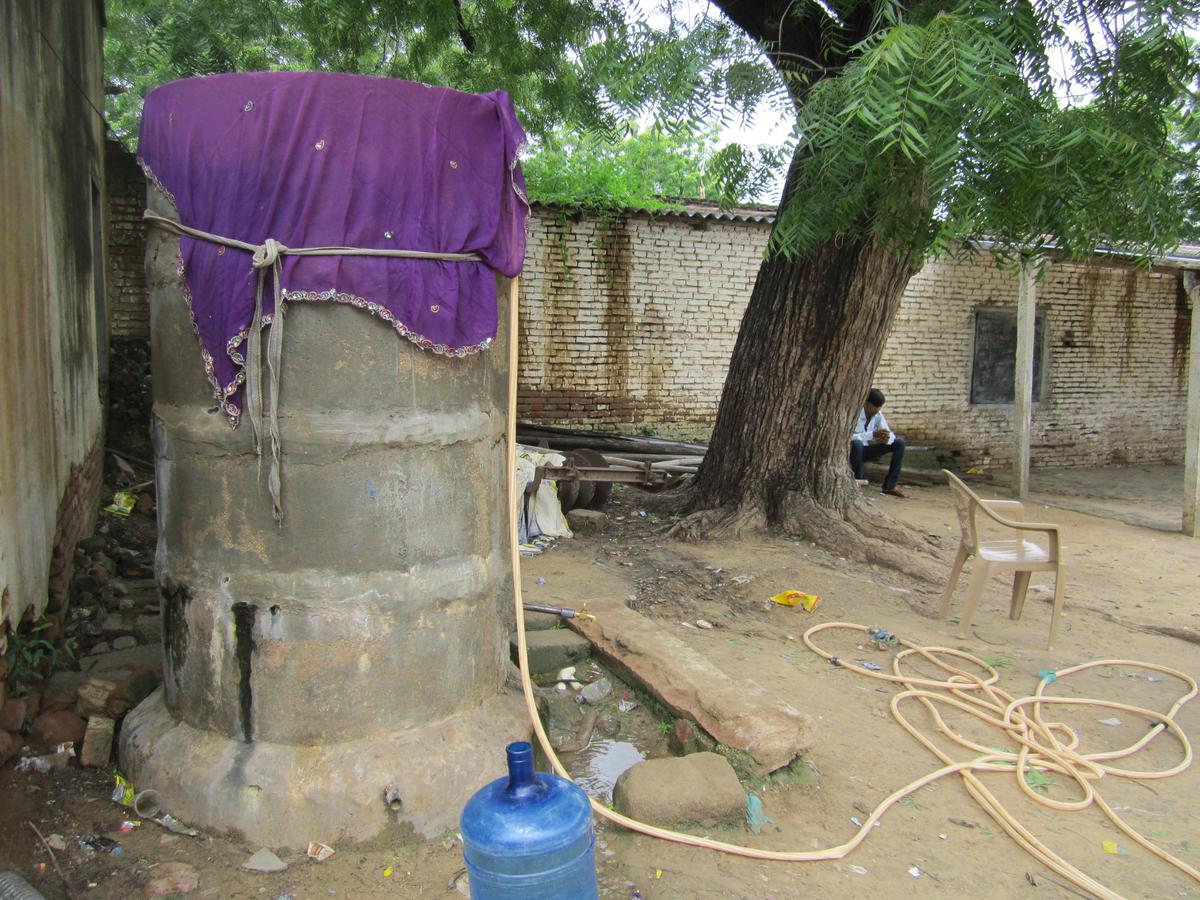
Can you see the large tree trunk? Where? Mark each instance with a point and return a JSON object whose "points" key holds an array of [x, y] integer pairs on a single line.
{"points": [[809, 342], [808, 345]]}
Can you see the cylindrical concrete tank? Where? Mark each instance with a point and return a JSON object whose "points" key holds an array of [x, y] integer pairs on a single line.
{"points": [[363, 644]]}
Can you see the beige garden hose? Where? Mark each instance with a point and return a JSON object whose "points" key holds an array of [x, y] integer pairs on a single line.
{"points": [[1048, 746]]}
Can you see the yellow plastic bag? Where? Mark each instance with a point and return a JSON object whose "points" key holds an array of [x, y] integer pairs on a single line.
{"points": [[797, 598], [123, 792], [123, 503]]}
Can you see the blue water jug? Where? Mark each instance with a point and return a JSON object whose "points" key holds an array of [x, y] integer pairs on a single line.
{"points": [[529, 836]]}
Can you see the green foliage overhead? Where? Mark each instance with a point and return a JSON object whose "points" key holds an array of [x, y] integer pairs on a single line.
{"points": [[922, 123], [1027, 122], [650, 169], [571, 67]]}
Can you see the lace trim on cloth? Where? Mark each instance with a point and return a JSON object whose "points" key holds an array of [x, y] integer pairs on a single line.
{"points": [[222, 393]]}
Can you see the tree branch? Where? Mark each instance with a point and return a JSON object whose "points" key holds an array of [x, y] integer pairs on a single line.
{"points": [[464, 34]]}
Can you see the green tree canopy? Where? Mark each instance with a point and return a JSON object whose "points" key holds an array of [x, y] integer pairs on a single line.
{"points": [[579, 72], [651, 168]]}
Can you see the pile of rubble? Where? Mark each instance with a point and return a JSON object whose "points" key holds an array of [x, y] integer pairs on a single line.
{"points": [[110, 658]]}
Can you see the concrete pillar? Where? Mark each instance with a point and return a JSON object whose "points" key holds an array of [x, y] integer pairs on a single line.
{"points": [[1191, 451], [1023, 381], [363, 644]]}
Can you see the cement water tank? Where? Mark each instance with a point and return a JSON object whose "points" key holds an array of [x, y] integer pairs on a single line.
{"points": [[361, 645]]}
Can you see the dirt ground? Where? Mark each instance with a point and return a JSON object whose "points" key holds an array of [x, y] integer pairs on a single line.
{"points": [[1124, 582]]}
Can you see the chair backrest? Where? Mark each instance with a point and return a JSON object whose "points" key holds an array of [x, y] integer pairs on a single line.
{"points": [[966, 501]]}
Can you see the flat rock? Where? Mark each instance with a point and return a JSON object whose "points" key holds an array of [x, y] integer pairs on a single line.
{"points": [[66, 681], [12, 714], [148, 655], [738, 712], [172, 878], [124, 642], [93, 694], [701, 787], [9, 745], [146, 628], [264, 861], [552, 650]]}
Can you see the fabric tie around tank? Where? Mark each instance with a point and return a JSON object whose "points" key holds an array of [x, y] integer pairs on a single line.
{"points": [[266, 257]]}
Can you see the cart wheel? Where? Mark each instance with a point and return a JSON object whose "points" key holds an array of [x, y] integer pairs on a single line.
{"points": [[568, 495], [602, 490], [587, 489]]}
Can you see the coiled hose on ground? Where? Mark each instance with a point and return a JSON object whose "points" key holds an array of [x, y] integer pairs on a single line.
{"points": [[1046, 745]]}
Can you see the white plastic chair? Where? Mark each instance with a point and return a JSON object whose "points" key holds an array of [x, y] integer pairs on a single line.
{"points": [[1015, 554]]}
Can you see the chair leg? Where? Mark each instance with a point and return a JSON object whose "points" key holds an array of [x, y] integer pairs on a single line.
{"points": [[1020, 589], [1058, 604], [979, 579], [955, 570]]}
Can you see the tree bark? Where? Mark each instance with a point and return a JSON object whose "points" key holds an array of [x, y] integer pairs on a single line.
{"points": [[809, 342], [807, 348]]}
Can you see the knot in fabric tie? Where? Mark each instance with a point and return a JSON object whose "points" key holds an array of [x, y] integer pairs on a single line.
{"points": [[267, 253]]}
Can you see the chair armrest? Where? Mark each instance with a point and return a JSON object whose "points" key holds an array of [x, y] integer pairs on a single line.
{"points": [[1014, 509], [1018, 524]]}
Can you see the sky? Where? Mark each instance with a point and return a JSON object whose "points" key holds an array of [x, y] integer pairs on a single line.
{"points": [[764, 126]]}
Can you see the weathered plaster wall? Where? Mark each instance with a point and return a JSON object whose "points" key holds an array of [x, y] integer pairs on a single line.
{"points": [[53, 335]]}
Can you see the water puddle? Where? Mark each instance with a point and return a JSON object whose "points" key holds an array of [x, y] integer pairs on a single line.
{"points": [[598, 766], [625, 732]]}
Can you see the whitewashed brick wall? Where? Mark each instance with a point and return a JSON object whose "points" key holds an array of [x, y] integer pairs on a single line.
{"points": [[1115, 364], [632, 323]]}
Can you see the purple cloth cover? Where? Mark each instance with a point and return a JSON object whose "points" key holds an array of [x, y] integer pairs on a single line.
{"points": [[318, 160]]}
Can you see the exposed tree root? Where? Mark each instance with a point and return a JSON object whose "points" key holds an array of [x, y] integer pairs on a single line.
{"points": [[855, 530]]}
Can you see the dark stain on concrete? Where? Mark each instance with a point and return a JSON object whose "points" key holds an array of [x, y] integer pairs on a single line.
{"points": [[175, 598], [243, 632]]}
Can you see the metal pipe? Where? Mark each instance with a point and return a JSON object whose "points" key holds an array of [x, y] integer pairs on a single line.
{"points": [[566, 612]]}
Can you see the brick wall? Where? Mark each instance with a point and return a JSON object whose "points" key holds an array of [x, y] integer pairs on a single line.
{"points": [[128, 303], [630, 321], [633, 323], [1114, 375]]}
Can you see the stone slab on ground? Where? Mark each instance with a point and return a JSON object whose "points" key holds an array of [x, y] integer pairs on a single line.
{"points": [[552, 650], [583, 521], [701, 787], [738, 712], [146, 628], [172, 879]]}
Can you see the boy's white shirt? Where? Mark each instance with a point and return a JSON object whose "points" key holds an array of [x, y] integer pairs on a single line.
{"points": [[864, 430]]}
